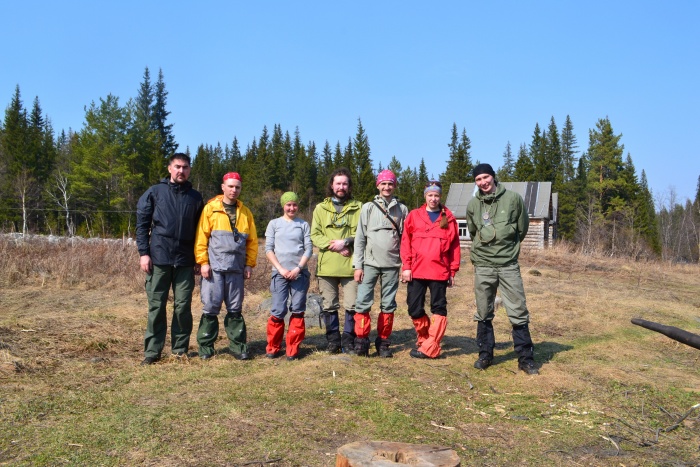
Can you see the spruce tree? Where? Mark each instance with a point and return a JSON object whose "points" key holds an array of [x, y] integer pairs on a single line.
{"points": [[144, 135], [568, 151], [364, 184], [542, 164], [348, 161], [202, 170], [421, 181], [646, 220], [407, 182], [397, 169], [506, 172], [573, 199], [553, 156], [232, 157], [459, 165], [605, 164], [275, 158], [168, 146], [325, 168], [304, 171], [104, 173], [524, 169], [28, 155]]}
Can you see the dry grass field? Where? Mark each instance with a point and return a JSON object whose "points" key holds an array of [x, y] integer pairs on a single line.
{"points": [[72, 392]]}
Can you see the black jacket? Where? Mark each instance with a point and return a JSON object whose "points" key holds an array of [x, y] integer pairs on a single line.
{"points": [[166, 222]]}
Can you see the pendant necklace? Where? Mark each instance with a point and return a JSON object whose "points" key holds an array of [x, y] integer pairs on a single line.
{"points": [[486, 216]]}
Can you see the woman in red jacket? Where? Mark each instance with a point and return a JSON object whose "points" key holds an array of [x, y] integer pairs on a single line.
{"points": [[430, 255]]}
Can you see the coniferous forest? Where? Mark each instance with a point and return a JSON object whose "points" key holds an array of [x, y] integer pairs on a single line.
{"points": [[87, 182]]}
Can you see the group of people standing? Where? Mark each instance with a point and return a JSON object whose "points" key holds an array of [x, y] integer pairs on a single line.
{"points": [[359, 245]]}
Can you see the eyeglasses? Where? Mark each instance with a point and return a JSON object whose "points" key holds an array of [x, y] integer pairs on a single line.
{"points": [[434, 183]]}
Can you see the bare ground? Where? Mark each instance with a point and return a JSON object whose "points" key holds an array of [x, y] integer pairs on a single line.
{"points": [[609, 392]]}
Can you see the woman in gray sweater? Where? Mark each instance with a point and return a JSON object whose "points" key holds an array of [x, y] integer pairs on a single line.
{"points": [[288, 247]]}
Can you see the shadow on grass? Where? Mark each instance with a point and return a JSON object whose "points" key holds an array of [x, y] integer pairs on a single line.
{"points": [[403, 340]]}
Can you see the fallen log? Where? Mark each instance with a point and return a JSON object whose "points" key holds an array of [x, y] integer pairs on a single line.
{"points": [[387, 453], [677, 334]]}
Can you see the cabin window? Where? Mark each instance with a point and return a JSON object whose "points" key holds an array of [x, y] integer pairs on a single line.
{"points": [[462, 229]]}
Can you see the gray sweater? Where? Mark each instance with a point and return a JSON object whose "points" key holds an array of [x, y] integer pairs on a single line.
{"points": [[289, 240]]}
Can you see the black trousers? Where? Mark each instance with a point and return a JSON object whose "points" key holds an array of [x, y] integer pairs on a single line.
{"points": [[415, 297]]}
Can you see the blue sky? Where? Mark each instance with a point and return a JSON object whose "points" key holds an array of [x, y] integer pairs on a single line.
{"points": [[407, 69]]}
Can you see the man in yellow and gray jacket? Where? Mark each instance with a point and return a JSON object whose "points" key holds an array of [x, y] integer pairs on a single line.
{"points": [[226, 247]]}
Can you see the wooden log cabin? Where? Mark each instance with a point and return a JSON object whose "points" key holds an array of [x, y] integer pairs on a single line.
{"points": [[540, 202]]}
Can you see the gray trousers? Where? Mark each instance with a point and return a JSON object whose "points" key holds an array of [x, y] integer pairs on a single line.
{"points": [[283, 290], [507, 278], [222, 287], [389, 284]]}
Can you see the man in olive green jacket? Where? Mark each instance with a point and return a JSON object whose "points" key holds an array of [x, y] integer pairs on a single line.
{"points": [[498, 222], [333, 232]]}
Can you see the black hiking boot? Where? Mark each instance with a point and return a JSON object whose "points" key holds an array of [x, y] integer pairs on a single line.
{"points": [[415, 353], [361, 347], [528, 366], [149, 361], [485, 360]]}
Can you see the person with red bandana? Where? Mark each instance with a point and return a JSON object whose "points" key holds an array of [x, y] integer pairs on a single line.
{"points": [[226, 248], [430, 254], [376, 259]]}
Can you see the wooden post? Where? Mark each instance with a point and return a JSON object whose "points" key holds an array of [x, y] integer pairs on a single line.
{"points": [[387, 453]]}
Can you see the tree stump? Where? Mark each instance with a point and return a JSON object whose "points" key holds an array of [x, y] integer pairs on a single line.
{"points": [[387, 454]]}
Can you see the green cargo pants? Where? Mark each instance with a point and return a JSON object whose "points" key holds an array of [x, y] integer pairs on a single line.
{"points": [[158, 285], [507, 279]]}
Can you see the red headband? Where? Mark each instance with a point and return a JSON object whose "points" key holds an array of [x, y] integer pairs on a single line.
{"points": [[233, 175]]}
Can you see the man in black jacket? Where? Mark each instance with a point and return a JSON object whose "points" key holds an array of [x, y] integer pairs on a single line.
{"points": [[166, 222]]}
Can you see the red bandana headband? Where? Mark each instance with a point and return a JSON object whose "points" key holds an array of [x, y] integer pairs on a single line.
{"points": [[232, 175]]}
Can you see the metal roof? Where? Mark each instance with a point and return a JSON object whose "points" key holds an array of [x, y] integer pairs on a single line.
{"points": [[536, 195]]}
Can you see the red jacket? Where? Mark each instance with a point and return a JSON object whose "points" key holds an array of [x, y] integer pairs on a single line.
{"points": [[427, 250]]}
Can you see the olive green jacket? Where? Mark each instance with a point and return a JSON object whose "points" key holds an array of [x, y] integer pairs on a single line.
{"points": [[327, 225], [497, 244]]}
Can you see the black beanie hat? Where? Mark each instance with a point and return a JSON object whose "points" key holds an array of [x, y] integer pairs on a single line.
{"points": [[483, 169]]}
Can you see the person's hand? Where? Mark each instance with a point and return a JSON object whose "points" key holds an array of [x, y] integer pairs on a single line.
{"points": [[294, 273], [359, 275], [337, 245], [406, 276], [451, 282], [247, 272], [346, 252], [205, 269], [146, 265]]}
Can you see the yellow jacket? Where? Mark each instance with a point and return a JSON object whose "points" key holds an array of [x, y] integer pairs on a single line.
{"points": [[224, 249]]}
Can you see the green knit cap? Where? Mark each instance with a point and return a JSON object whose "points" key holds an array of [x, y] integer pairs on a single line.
{"points": [[289, 196]]}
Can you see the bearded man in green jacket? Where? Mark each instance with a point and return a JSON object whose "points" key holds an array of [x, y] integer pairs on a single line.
{"points": [[498, 221], [333, 232]]}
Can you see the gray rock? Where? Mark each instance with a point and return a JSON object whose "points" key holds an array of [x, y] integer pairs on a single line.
{"points": [[311, 315]]}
